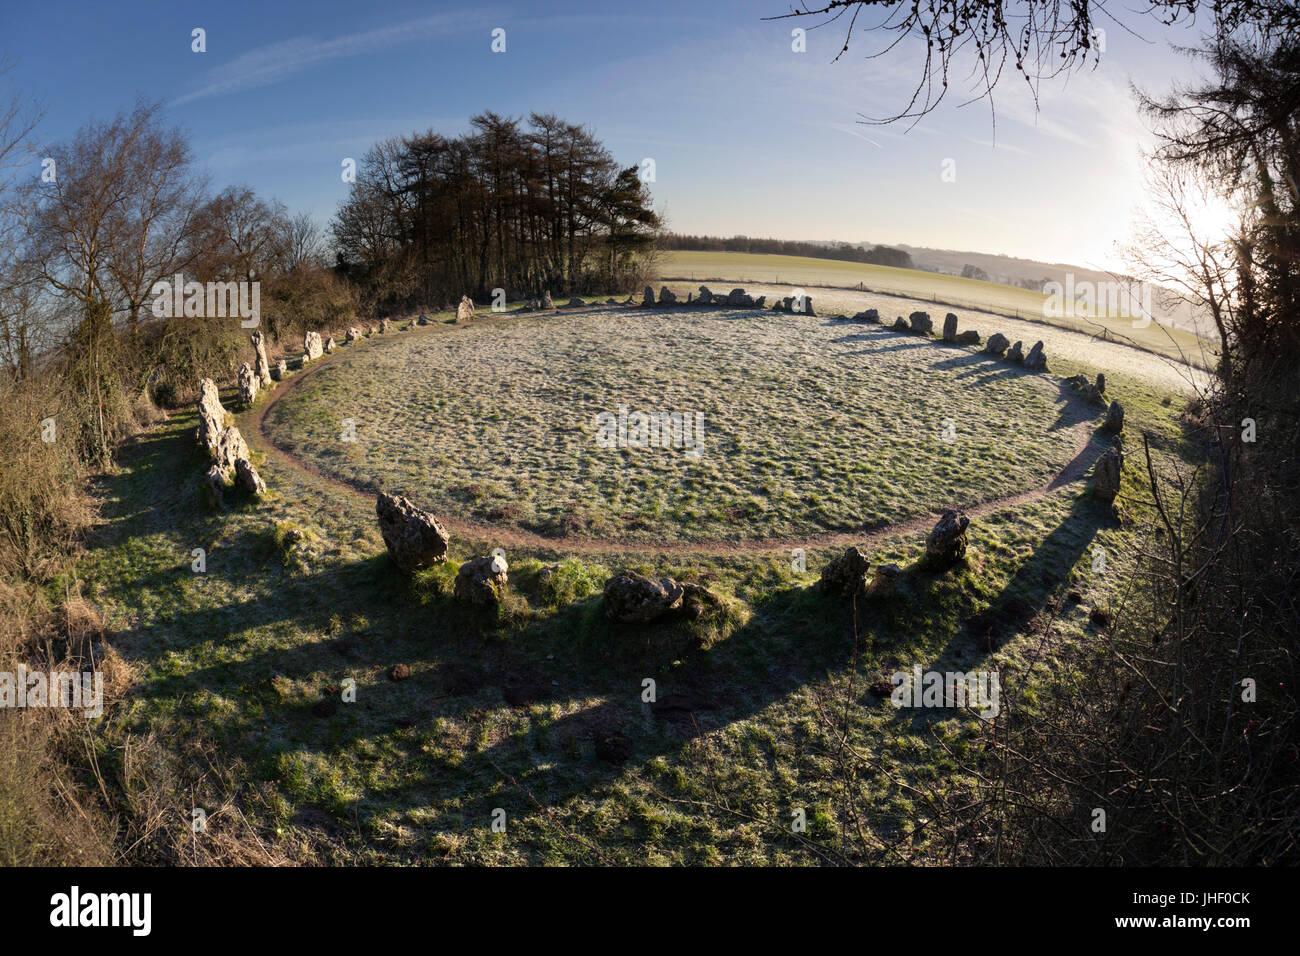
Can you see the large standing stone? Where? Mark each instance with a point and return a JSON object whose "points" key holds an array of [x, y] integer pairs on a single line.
{"points": [[921, 322], [247, 384], [846, 574], [1036, 360], [950, 328], [212, 416], [1106, 474], [666, 296], [481, 581], [998, 344], [546, 300], [230, 448], [261, 367], [414, 537], [1114, 418], [312, 345], [946, 544], [465, 311], [633, 598], [648, 296], [706, 296], [803, 305], [247, 478]]}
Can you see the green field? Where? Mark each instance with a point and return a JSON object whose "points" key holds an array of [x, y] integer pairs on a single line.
{"points": [[926, 287]]}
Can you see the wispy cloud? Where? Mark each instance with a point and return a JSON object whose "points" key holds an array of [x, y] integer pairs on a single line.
{"points": [[267, 64]]}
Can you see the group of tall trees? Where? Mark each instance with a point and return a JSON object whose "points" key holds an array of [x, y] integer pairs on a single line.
{"points": [[521, 207]]}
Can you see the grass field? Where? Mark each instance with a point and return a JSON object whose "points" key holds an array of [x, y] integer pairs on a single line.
{"points": [[809, 425], [927, 287], [512, 710]]}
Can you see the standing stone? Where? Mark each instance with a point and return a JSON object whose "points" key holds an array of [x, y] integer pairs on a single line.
{"points": [[1114, 418], [900, 325], [247, 478], [1101, 383], [546, 300], [1036, 359], [481, 581], [666, 296], [385, 326], [968, 337], [280, 371], [706, 296], [950, 327], [465, 311], [633, 598], [886, 582], [247, 384], [946, 544], [1106, 474], [414, 538], [1017, 353], [847, 574], [230, 448], [921, 323], [212, 416], [760, 302], [261, 367], [998, 344], [312, 346], [648, 296], [354, 333], [868, 315], [213, 486], [575, 303], [329, 344]]}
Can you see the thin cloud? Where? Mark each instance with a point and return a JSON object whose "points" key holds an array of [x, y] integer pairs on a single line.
{"points": [[270, 63]]}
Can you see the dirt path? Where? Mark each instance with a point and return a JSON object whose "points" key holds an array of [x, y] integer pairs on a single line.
{"points": [[1087, 448]]}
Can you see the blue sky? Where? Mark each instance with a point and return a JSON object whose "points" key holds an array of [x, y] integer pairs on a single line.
{"points": [[747, 136]]}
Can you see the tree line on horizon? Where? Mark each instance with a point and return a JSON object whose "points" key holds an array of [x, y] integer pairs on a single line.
{"points": [[877, 255]]}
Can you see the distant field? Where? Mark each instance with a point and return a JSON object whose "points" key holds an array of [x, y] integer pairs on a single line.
{"points": [[925, 286]]}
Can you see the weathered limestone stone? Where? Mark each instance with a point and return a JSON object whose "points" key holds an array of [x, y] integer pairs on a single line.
{"points": [[1036, 360], [1114, 418], [1016, 353], [546, 300], [312, 345], [950, 327], [354, 333], [648, 297], [465, 310], [247, 478], [1101, 383], [921, 323], [847, 574], [329, 344], [760, 302], [414, 537], [900, 325], [886, 582], [247, 384], [212, 416], [1106, 474], [280, 370], [968, 337], [230, 448], [213, 487], [998, 344], [633, 598], [261, 367], [946, 544], [385, 326], [706, 296], [868, 315], [666, 296], [481, 581]]}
